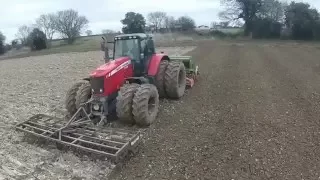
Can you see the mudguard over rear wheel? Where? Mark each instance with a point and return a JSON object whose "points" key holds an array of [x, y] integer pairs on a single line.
{"points": [[124, 103], [145, 105], [175, 79], [70, 102]]}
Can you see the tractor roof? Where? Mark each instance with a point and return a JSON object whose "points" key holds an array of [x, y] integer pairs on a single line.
{"points": [[137, 35]]}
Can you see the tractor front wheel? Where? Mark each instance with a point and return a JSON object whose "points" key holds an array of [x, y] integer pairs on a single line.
{"points": [[175, 79], [70, 102], [145, 105], [124, 103], [83, 95]]}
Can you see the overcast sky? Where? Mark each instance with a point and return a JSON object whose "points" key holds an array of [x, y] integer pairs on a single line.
{"points": [[106, 14]]}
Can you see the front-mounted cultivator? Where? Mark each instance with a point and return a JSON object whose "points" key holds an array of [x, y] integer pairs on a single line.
{"points": [[127, 85], [111, 143]]}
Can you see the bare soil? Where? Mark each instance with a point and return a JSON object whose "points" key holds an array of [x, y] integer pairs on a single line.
{"points": [[254, 114], [35, 85]]}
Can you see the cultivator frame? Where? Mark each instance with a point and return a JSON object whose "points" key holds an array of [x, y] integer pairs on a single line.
{"points": [[112, 143]]}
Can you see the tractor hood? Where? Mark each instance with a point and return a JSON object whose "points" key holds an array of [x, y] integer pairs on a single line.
{"points": [[104, 69]]}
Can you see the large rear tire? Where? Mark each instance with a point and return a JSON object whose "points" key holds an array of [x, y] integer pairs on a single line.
{"points": [[175, 79], [124, 103], [70, 101], [83, 95], [145, 106], [160, 78]]}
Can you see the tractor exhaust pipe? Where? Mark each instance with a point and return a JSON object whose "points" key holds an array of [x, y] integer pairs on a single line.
{"points": [[104, 48]]}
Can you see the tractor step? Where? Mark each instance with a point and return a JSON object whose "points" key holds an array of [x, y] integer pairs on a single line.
{"points": [[112, 143]]}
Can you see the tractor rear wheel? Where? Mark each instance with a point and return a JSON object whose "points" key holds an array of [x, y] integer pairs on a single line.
{"points": [[83, 95], [160, 78], [175, 79], [145, 105], [70, 102], [124, 103]]}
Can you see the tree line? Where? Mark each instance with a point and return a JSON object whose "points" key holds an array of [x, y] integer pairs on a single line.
{"points": [[262, 19], [274, 18], [69, 24], [158, 21]]}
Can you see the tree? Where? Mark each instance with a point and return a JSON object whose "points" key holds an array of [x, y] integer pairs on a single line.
{"points": [[157, 19], [266, 28], [23, 33], [14, 42], [302, 20], [133, 23], [108, 31], [214, 24], [46, 23], [70, 24], [37, 39], [2, 43], [169, 23], [7, 47], [241, 9], [224, 24], [186, 23], [88, 32], [272, 9]]}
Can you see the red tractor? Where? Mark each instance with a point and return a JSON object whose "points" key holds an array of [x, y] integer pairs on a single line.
{"points": [[129, 86], [130, 83]]}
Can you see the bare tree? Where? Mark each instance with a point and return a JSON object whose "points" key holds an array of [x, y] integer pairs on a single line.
{"points": [[273, 9], [241, 9], [23, 33], [169, 23], [224, 24], [156, 19], [70, 24], [186, 23], [108, 31], [88, 32], [46, 23]]}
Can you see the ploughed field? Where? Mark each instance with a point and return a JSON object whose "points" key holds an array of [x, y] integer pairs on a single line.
{"points": [[254, 114], [35, 85]]}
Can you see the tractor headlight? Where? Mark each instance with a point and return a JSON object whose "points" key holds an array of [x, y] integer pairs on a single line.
{"points": [[96, 107]]}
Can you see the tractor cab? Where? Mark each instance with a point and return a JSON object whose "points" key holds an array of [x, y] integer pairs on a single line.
{"points": [[139, 47]]}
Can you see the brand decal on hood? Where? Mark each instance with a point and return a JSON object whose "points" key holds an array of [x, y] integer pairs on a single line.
{"points": [[122, 66]]}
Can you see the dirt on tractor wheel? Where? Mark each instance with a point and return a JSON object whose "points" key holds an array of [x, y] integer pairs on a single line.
{"points": [[253, 114]]}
